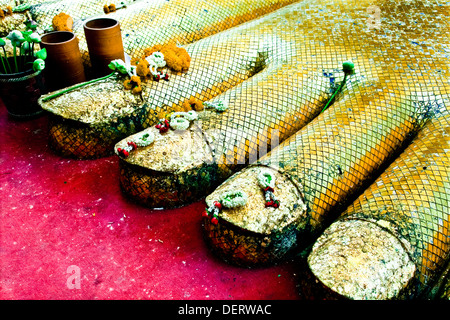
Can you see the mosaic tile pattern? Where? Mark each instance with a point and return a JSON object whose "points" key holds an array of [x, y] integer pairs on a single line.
{"points": [[276, 74], [144, 24], [411, 200], [279, 90], [336, 155]]}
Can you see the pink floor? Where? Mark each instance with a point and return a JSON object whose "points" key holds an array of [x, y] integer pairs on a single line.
{"points": [[57, 213]]}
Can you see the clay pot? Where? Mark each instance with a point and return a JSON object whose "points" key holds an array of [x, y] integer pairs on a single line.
{"points": [[63, 66], [21, 91], [104, 41]]}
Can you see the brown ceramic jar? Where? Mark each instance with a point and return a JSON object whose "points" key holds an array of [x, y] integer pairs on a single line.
{"points": [[63, 66], [104, 41]]}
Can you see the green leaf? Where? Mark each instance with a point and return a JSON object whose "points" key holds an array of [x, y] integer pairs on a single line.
{"points": [[38, 64], [41, 54], [21, 7], [348, 67], [26, 35], [119, 65], [31, 25]]}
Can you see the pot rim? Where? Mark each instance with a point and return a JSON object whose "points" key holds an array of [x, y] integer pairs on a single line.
{"points": [[57, 43], [116, 22], [20, 76]]}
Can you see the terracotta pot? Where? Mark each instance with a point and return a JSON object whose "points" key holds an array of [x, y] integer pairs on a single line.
{"points": [[21, 91], [63, 66], [104, 41]]}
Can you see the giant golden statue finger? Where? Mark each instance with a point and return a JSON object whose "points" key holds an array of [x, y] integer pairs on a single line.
{"points": [[287, 89], [314, 174], [85, 123], [285, 201], [394, 240], [169, 172]]}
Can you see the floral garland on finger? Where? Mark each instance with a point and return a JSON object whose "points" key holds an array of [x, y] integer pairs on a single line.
{"points": [[163, 125], [229, 199], [266, 181], [141, 139], [156, 60], [178, 121], [220, 105], [149, 66]]}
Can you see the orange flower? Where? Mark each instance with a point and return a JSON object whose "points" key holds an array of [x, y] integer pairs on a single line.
{"points": [[193, 104], [176, 58], [127, 84], [142, 68], [111, 8], [148, 51], [137, 90], [178, 108], [62, 22], [134, 61], [135, 81], [186, 107], [133, 84]]}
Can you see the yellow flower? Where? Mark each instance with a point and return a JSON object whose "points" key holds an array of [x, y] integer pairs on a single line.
{"points": [[193, 104], [135, 81], [136, 90], [142, 68], [62, 22], [127, 84]]}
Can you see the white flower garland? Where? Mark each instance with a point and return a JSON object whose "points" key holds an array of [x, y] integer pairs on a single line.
{"points": [[181, 120], [179, 123], [144, 138], [123, 67], [229, 199], [155, 60], [233, 199], [141, 139], [218, 105], [266, 179], [190, 115]]}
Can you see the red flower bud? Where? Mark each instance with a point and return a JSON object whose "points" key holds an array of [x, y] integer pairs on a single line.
{"points": [[205, 214], [218, 204], [214, 221], [132, 144], [166, 77]]}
